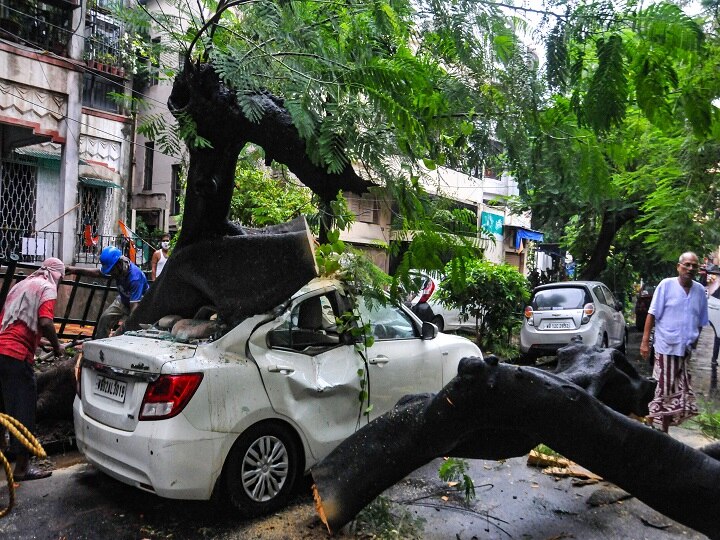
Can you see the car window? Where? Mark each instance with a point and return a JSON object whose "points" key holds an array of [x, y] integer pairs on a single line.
{"points": [[386, 322], [309, 327], [560, 298], [610, 297], [600, 293]]}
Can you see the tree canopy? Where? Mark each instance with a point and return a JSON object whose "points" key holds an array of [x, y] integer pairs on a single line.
{"points": [[614, 151], [621, 157]]}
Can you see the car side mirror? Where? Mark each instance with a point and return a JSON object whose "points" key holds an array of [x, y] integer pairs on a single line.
{"points": [[618, 306], [429, 330]]}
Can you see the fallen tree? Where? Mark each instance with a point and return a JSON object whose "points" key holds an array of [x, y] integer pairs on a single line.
{"points": [[498, 411]]}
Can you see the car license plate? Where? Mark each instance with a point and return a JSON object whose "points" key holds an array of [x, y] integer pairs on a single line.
{"points": [[558, 325], [110, 388]]}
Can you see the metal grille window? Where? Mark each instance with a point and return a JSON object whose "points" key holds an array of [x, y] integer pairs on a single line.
{"points": [[147, 177], [18, 195], [95, 93], [94, 221]]}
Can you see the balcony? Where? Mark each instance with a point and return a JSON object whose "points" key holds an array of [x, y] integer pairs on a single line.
{"points": [[104, 50], [43, 25]]}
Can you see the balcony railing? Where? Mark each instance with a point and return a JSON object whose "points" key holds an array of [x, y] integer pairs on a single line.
{"points": [[29, 246], [88, 250], [38, 24], [103, 48]]}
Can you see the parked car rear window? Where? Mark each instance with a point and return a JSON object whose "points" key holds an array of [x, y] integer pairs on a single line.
{"points": [[560, 298]]}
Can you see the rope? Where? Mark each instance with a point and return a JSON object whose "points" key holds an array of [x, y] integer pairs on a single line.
{"points": [[28, 440]]}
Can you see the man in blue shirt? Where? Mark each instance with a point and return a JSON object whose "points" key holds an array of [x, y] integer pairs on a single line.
{"points": [[131, 283], [678, 311]]}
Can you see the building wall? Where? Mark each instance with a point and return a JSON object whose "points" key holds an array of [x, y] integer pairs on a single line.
{"points": [[40, 101]]}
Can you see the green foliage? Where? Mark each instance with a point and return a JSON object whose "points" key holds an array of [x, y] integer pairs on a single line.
{"points": [[491, 294], [359, 273], [709, 420], [455, 470], [381, 520], [260, 199]]}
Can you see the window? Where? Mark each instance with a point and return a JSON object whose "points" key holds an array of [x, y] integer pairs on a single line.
{"points": [[155, 62], [176, 190], [310, 327], [95, 93], [386, 322], [148, 170], [560, 298], [366, 208]]}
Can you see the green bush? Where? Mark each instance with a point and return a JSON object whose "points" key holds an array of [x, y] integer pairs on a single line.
{"points": [[490, 294]]}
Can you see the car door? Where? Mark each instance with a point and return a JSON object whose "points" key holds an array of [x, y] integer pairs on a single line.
{"points": [[309, 374], [615, 319], [400, 362]]}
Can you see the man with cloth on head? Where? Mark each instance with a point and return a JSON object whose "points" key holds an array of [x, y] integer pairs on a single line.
{"points": [[679, 310], [26, 316], [131, 283]]}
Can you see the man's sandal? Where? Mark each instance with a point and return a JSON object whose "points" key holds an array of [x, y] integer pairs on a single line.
{"points": [[32, 474]]}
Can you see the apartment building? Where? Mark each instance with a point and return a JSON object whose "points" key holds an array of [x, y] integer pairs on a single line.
{"points": [[66, 146]]}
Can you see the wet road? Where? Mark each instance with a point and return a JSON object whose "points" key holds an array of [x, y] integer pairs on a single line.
{"points": [[513, 501]]}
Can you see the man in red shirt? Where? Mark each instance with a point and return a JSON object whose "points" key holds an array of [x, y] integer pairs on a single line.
{"points": [[26, 316]]}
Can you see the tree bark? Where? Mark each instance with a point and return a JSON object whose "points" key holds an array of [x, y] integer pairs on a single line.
{"points": [[612, 222], [498, 411], [200, 94]]}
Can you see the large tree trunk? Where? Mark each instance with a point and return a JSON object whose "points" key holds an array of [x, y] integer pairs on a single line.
{"points": [[199, 94], [498, 411], [612, 222]]}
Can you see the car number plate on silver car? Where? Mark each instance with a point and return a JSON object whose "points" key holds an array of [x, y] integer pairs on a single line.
{"points": [[558, 325], [110, 388]]}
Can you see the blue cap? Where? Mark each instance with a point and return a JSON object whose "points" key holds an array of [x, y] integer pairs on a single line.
{"points": [[108, 257]]}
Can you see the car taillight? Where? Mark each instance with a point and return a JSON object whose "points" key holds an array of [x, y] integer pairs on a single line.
{"points": [[78, 373], [168, 395], [529, 314], [588, 311], [427, 291]]}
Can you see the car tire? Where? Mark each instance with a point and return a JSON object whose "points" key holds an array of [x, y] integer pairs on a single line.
{"points": [[438, 321], [623, 346], [261, 469]]}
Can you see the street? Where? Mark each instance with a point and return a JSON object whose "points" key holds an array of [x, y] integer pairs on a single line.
{"points": [[513, 501]]}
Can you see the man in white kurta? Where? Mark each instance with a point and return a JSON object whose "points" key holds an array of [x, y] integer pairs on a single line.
{"points": [[678, 312]]}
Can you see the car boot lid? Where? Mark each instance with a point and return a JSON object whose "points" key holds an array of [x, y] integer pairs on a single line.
{"points": [[133, 353]]}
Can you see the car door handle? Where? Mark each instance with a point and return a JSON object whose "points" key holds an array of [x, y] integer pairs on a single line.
{"points": [[280, 369], [381, 360]]}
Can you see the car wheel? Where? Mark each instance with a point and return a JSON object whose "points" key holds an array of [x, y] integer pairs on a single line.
{"points": [[261, 469], [438, 321], [623, 346]]}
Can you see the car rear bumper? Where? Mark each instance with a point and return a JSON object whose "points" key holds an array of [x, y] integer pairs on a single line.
{"points": [[184, 466], [533, 341]]}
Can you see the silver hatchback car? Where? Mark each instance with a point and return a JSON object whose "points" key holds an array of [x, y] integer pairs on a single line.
{"points": [[558, 312]]}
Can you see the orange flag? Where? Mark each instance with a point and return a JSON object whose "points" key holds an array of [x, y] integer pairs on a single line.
{"points": [[127, 233]]}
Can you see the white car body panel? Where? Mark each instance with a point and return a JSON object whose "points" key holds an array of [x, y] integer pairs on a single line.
{"points": [[245, 381], [714, 314]]}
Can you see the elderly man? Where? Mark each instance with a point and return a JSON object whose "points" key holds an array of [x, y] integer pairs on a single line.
{"points": [[678, 311], [131, 283], [26, 316]]}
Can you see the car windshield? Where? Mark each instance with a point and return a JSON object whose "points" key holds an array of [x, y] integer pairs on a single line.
{"points": [[560, 298]]}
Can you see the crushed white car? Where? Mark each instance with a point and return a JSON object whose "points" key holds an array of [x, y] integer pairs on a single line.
{"points": [[188, 409]]}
